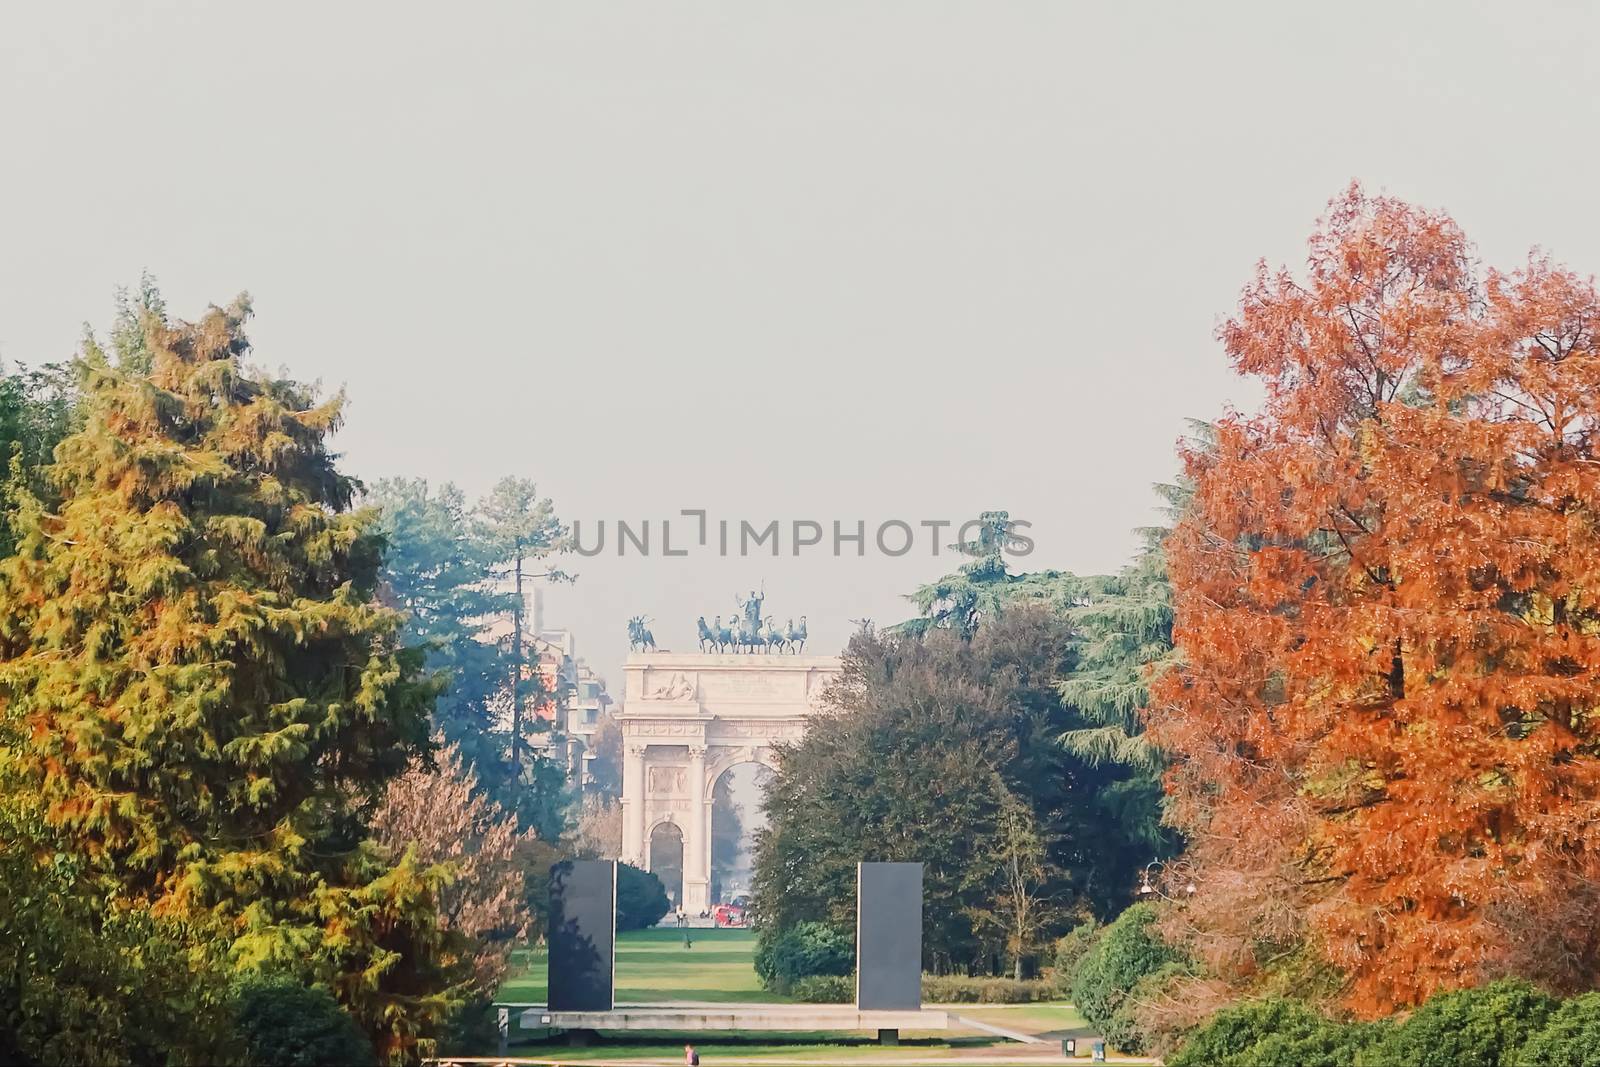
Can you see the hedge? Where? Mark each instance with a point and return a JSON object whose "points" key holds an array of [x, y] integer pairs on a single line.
{"points": [[1504, 1024], [1482, 1027], [804, 950], [959, 989], [825, 989], [1570, 1038], [1265, 1033]]}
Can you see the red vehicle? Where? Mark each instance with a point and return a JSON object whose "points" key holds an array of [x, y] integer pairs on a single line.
{"points": [[728, 915]]}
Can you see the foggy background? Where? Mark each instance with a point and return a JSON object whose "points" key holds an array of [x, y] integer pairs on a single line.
{"points": [[831, 261]]}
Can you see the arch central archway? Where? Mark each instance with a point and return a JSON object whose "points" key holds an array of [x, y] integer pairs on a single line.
{"points": [[688, 718], [666, 859], [738, 813]]}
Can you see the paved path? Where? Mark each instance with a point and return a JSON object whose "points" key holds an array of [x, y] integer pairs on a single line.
{"points": [[997, 1031], [999, 1057]]}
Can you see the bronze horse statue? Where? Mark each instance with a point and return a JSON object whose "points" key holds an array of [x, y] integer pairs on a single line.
{"points": [[639, 638]]}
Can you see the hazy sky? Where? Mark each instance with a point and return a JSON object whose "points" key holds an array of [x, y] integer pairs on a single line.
{"points": [[831, 261]]}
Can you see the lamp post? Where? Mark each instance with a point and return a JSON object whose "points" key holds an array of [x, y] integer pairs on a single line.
{"points": [[1148, 888]]}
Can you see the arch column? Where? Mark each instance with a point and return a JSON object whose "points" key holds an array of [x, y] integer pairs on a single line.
{"points": [[697, 842], [633, 801]]}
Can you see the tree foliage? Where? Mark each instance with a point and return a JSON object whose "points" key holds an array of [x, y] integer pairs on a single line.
{"points": [[1385, 592], [788, 954], [439, 812], [1481, 1027], [928, 745], [1266, 1033], [641, 898], [451, 569], [518, 528], [197, 689], [1570, 1037], [438, 574], [84, 979], [283, 1023], [985, 585], [597, 834], [1125, 952], [38, 409]]}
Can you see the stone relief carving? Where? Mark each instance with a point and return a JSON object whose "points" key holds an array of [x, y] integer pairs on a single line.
{"points": [[665, 729], [721, 730], [667, 779], [678, 686]]}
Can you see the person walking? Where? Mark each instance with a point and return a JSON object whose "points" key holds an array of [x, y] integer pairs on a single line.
{"points": [[690, 1056]]}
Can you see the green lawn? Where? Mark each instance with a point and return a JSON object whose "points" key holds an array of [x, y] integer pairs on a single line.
{"points": [[1051, 1019], [736, 1047], [654, 967]]}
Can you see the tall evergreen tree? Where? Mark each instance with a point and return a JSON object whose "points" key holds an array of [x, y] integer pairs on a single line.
{"points": [[1122, 626], [38, 408], [136, 309], [983, 586], [1124, 623], [438, 573], [197, 687], [519, 529]]}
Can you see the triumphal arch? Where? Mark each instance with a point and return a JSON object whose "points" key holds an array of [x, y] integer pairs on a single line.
{"points": [[689, 718]]}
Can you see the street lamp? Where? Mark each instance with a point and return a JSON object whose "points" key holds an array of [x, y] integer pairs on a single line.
{"points": [[1148, 888]]}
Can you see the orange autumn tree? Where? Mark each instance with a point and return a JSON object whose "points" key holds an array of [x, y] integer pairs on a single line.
{"points": [[1387, 591]]}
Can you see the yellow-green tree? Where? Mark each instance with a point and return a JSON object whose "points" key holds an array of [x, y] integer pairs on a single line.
{"points": [[198, 690]]}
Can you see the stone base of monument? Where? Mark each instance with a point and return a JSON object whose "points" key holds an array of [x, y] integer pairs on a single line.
{"points": [[677, 1018]]}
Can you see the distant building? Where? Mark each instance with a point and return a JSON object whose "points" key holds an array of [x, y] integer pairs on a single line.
{"points": [[578, 699]]}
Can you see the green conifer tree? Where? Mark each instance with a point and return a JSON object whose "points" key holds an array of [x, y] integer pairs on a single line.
{"points": [[440, 575], [1124, 623], [985, 586], [199, 690]]}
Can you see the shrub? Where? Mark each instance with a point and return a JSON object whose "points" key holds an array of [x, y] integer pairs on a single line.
{"points": [[1482, 1027], [1126, 951], [1126, 1030], [803, 950], [286, 1024], [84, 979], [1570, 1038], [1266, 1033], [825, 989], [641, 898], [960, 989], [1070, 950]]}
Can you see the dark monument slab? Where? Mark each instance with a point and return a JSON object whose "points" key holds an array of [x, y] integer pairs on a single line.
{"points": [[889, 936], [582, 937]]}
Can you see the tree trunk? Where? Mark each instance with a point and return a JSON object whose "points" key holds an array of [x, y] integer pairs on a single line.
{"points": [[516, 678]]}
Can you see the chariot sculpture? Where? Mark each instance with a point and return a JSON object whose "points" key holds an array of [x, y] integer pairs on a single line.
{"points": [[750, 631]]}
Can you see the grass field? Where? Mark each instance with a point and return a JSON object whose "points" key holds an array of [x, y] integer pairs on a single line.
{"points": [[1054, 1019], [654, 967]]}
